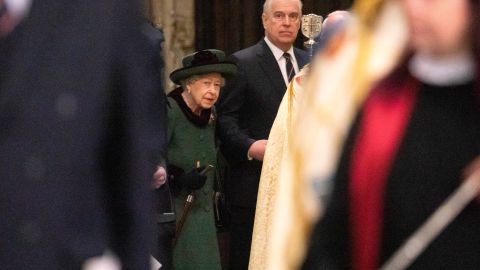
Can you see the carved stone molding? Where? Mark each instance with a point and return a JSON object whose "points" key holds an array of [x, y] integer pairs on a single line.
{"points": [[176, 18]]}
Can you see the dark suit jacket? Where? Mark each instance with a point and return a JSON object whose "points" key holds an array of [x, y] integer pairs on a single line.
{"points": [[81, 126], [246, 111]]}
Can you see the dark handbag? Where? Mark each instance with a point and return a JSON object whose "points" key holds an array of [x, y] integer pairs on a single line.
{"points": [[220, 204], [166, 220], [164, 205], [221, 210]]}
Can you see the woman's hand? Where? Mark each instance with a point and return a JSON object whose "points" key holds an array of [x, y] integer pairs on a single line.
{"points": [[193, 179]]}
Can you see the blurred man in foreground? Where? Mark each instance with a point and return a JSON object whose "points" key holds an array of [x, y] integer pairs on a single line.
{"points": [[408, 150], [81, 133]]}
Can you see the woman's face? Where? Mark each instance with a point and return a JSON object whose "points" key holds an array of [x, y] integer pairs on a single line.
{"points": [[438, 27], [205, 91]]}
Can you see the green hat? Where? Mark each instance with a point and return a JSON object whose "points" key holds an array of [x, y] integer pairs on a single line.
{"points": [[203, 62]]}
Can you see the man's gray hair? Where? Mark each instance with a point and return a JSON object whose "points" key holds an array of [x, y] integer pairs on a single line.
{"points": [[267, 6]]}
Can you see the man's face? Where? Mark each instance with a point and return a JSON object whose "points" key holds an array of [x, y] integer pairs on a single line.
{"points": [[438, 26], [282, 22]]}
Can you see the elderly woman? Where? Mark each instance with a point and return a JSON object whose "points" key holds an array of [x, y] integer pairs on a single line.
{"points": [[409, 150], [191, 149]]}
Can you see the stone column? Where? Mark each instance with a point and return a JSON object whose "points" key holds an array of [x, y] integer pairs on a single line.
{"points": [[176, 18]]}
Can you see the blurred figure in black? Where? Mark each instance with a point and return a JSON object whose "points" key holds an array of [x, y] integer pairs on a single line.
{"points": [[163, 200], [81, 135], [413, 140]]}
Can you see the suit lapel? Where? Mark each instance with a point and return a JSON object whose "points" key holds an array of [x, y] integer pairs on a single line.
{"points": [[270, 66]]}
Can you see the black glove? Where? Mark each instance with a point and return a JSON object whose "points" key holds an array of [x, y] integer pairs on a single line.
{"points": [[193, 179]]}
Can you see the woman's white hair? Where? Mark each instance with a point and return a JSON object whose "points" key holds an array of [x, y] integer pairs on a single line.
{"points": [[195, 78]]}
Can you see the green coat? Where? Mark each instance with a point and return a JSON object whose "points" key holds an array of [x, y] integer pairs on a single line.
{"points": [[197, 247]]}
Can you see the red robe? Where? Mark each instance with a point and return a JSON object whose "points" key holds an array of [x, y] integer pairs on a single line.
{"points": [[404, 156]]}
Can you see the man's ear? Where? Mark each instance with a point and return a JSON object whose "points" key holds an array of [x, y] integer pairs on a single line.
{"points": [[264, 19]]}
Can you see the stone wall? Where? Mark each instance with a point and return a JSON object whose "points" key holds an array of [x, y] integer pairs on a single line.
{"points": [[176, 18]]}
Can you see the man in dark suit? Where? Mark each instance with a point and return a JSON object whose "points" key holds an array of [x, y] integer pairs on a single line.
{"points": [[246, 111], [163, 198], [81, 128]]}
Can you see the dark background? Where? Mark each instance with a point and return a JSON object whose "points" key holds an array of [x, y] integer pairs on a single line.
{"points": [[231, 25]]}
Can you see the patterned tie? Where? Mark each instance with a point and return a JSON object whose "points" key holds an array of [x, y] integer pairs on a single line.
{"points": [[288, 65]]}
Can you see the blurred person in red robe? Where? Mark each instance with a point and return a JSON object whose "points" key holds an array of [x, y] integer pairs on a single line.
{"points": [[408, 149]]}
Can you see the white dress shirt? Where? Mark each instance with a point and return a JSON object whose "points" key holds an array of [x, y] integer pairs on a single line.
{"points": [[278, 53]]}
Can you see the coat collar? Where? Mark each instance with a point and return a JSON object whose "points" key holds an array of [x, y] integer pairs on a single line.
{"points": [[201, 120], [270, 66]]}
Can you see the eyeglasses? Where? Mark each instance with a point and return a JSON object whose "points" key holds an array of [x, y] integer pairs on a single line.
{"points": [[280, 16]]}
